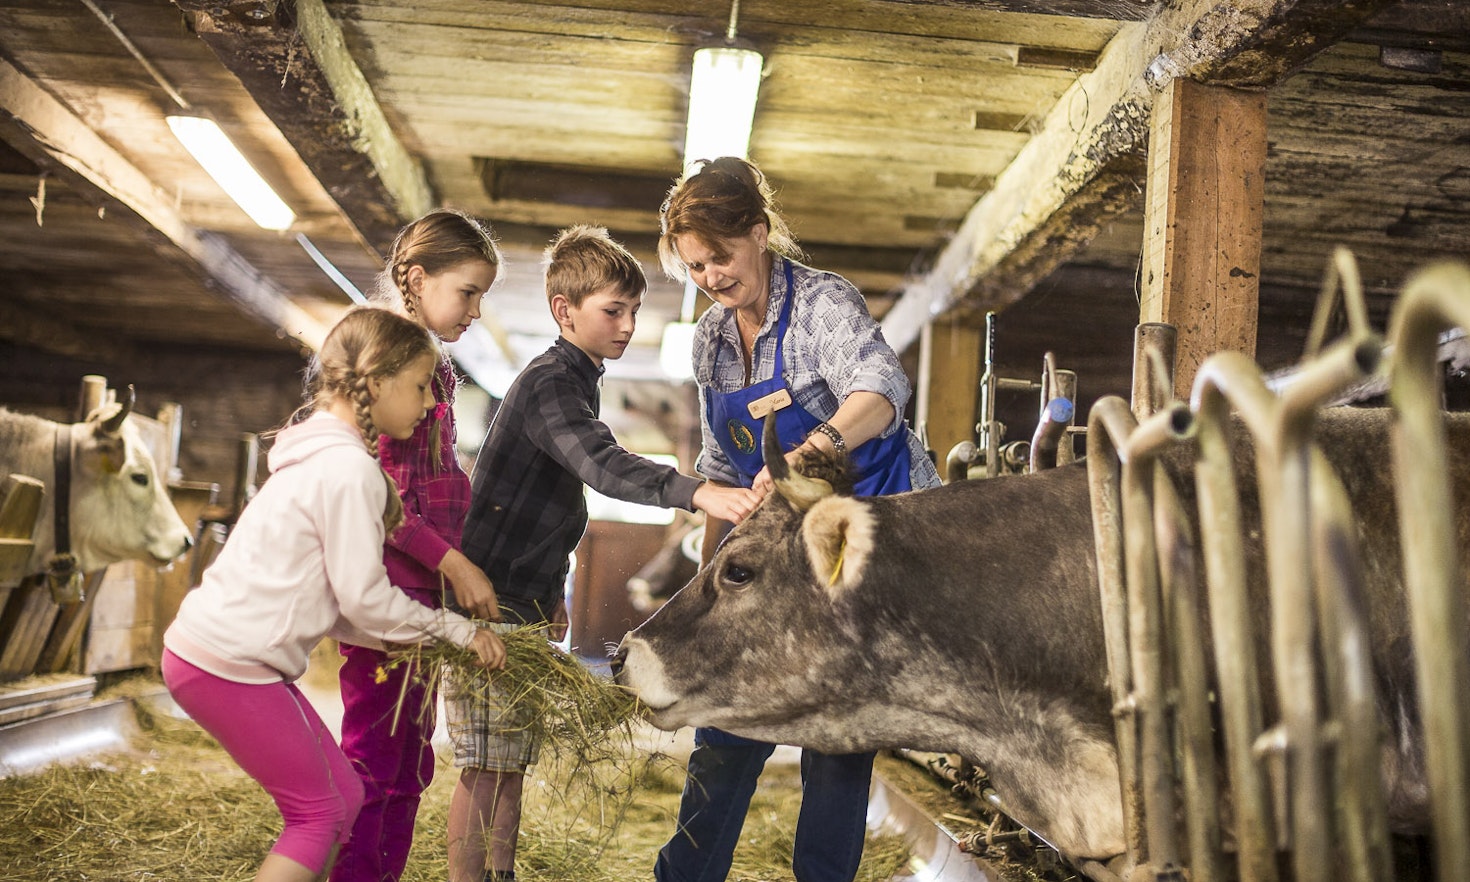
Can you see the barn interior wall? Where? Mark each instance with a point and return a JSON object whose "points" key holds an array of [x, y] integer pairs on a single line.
{"points": [[224, 393]]}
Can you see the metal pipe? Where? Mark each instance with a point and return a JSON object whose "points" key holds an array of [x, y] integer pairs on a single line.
{"points": [[1104, 479], [1052, 427], [1352, 694], [1282, 431], [1343, 269], [1288, 527], [1064, 385], [1198, 772], [1154, 347], [1433, 298], [1137, 446], [1233, 638], [989, 436], [958, 461]]}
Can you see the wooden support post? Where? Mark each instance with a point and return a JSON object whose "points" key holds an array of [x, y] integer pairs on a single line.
{"points": [[1202, 225], [949, 384]]}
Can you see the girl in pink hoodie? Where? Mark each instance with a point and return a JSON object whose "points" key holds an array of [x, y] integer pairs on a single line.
{"points": [[302, 563]]}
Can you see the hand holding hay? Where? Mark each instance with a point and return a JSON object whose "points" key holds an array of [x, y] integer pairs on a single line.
{"points": [[489, 649], [549, 693]]}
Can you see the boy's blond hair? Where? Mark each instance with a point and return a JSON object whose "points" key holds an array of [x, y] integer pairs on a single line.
{"points": [[584, 259]]}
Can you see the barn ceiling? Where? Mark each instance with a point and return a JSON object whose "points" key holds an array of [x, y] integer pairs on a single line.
{"points": [[948, 156]]}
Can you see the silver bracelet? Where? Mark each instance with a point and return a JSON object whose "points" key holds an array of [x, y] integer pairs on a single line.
{"points": [[831, 432]]}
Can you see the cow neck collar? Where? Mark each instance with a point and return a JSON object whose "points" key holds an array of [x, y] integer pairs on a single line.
{"points": [[62, 563]]}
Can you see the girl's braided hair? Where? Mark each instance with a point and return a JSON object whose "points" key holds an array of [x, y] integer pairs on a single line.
{"points": [[440, 240], [367, 342]]}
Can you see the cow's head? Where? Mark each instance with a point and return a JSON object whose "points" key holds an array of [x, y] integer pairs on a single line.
{"points": [[120, 509], [771, 632]]}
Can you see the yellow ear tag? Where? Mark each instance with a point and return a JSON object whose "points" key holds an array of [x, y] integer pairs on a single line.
{"points": [[837, 570], [109, 465]]}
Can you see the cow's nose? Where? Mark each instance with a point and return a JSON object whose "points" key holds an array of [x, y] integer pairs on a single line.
{"points": [[617, 661]]}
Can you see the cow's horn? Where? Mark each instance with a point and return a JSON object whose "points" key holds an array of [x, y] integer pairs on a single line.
{"points": [[113, 424], [799, 490]]}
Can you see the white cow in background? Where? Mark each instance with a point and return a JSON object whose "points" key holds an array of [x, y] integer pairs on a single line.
{"points": [[119, 507]]}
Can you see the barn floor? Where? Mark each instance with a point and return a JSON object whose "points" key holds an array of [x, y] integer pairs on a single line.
{"points": [[168, 803]]}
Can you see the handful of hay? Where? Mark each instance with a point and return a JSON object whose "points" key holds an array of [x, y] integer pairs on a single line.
{"points": [[546, 692]]}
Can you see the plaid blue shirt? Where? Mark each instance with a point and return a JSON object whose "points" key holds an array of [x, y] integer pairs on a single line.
{"points": [[832, 349], [528, 508]]}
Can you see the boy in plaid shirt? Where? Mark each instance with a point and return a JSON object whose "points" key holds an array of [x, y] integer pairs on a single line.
{"points": [[528, 511]]}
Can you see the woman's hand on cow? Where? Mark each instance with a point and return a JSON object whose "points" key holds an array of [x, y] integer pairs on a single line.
{"points": [[488, 647], [764, 483], [472, 589], [731, 504]]}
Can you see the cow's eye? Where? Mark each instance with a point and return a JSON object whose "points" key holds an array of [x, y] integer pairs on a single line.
{"points": [[140, 479], [736, 575]]}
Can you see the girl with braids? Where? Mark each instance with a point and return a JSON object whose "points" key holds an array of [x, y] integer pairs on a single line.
{"points": [[301, 563], [438, 271]]}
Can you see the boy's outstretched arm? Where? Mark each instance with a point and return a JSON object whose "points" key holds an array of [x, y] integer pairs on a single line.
{"points": [[731, 504]]}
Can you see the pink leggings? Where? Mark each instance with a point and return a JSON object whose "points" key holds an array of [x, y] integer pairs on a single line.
{"points": [[277, 738]]}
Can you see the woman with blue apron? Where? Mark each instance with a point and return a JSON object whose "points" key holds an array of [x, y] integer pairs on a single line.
{"points": [[880, 465], [725, 250]]}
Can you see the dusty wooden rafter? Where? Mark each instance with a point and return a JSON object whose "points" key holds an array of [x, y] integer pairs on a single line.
{"points": [[1077, 171], [295, 64], [1116, 10], [41, 128]]}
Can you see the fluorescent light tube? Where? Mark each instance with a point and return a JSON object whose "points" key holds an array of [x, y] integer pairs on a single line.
{"points": [[229, 168]]}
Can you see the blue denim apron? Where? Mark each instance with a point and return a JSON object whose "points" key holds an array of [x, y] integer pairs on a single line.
{"points": [[880, 464]]}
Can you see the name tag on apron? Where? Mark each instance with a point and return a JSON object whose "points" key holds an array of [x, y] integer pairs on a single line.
{"points": [[769, 403]]}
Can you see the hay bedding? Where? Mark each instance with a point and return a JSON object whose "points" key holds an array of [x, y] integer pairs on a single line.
{"points": [[596, 809]]}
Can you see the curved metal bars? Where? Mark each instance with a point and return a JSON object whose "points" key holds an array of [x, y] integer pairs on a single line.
{"points": [[1237, 676], [1281, 429], [1343, 268], [1433, 299], [1195, 731], [1352, 693], [1121, 461]]}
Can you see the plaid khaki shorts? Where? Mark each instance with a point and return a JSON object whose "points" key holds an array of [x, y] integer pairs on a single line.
{"points": [[483, 733]]}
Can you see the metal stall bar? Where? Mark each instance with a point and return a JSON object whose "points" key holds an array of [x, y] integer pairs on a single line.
{"points": [[1292, 587], [1236, 673], [1195, 732], [1104, 478], [1136, 447], [1352, 693], [1434, 298], [1285, 475]]}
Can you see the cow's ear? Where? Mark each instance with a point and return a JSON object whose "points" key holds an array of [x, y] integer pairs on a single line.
{"points": [[838, 532]]}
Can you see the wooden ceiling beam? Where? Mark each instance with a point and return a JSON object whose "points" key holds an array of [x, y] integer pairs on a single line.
{"points": [[1115, 10], [295, 64], [41, 128], [1071, 179]]}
